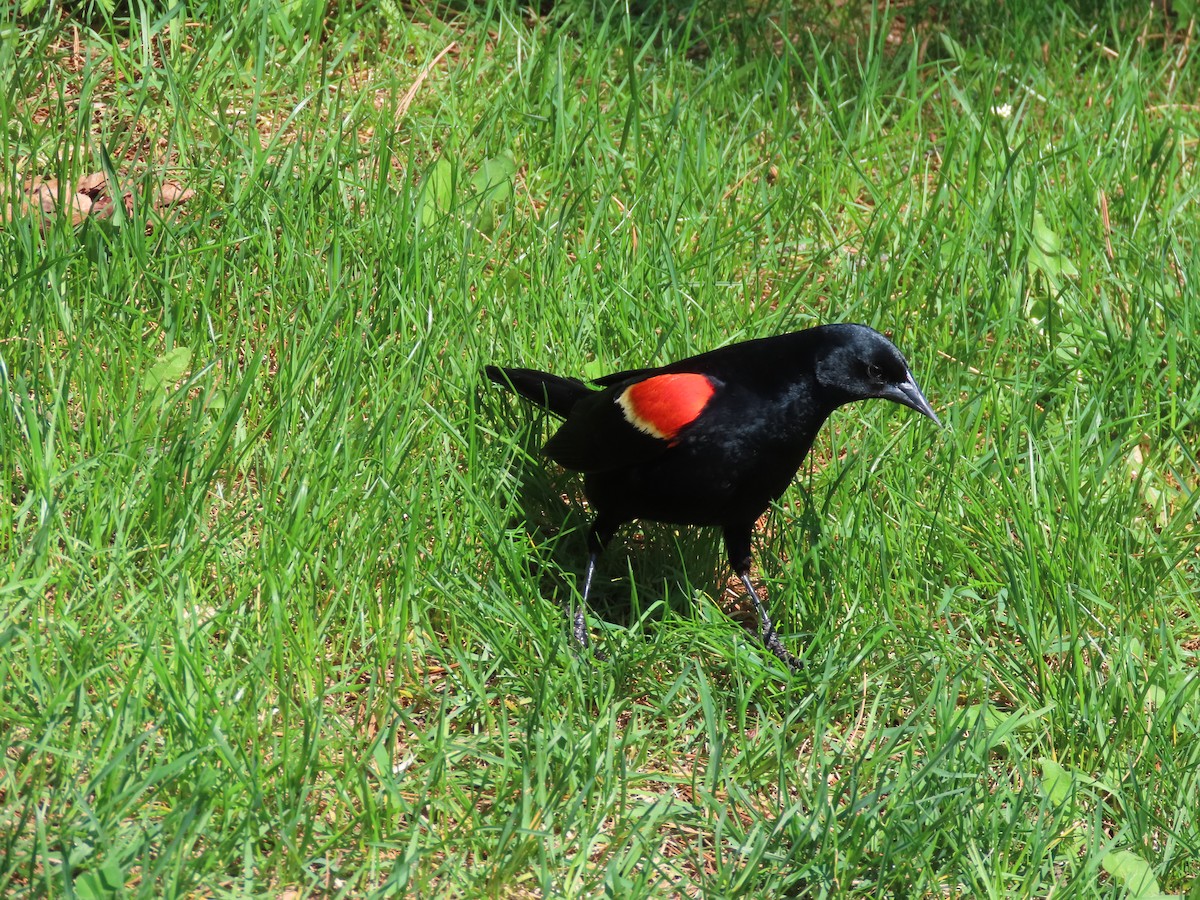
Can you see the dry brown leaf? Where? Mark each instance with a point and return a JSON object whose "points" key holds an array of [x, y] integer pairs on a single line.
{"points": [[103, 207], [81, 206], [45, 195], [411, 93], [171, 193], [89, 197], [50, 200], [93, 184]]}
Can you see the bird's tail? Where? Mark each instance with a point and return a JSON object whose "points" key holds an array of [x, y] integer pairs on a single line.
{"points": [[552, 392]]}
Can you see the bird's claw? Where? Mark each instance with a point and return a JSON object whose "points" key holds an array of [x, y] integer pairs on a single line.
{"points": [[580, 633], [771, 642], [579, 629], [766, 628]]}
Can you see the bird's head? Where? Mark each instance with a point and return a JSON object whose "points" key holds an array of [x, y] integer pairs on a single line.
{"points": [[861, 363]]}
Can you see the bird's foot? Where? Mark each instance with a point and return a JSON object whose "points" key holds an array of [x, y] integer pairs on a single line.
{"points": [[580, 633], [766, 629], [771, 641], [579, 629]]}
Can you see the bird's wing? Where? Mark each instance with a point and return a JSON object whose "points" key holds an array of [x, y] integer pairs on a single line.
{"points": [[631, 422]]}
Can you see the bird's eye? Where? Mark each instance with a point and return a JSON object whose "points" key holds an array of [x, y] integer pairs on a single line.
{"points": [[874, 372]]}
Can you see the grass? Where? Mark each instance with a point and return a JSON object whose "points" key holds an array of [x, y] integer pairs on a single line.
{"points": [[279, 611]]}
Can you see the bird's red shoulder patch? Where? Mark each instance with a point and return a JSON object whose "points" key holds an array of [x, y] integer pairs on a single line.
{"points": [[662, 405]]}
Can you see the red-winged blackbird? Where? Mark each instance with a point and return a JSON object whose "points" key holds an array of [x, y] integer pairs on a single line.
{"points": [[712, 439]]}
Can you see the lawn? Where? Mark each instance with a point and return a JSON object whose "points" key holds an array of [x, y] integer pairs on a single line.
{"points": [[282, 575]]}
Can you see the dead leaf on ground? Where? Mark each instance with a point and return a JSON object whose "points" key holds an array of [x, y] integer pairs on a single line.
{"points": [[92, 185], [171, 193], [89, 197]]}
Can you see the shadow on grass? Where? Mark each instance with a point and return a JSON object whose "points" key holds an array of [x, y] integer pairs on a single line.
{"points": [[648, 569]]}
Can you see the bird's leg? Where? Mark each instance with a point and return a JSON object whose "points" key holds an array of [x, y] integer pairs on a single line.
{"points": [[579, 613], [770, 637], [600, 534], [737, 542]]}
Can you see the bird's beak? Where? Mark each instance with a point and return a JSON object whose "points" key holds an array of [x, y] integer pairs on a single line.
{"points": [[908, 394]]}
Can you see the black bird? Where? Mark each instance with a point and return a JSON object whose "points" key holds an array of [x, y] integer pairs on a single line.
{"points": [[713, 439]]}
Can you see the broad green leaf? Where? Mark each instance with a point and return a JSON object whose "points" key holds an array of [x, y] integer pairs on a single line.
{"points": [[1133, 872], [493, 184], [993, 719], [1186, 10], [1001, 725], [217, 401], [87, 887], [112, 876], [493, 179], [81, 851], [1155, 697], [954, 48], [383, 760], [167, 369], [1046, 251], [92, 886], [437, 192], [1056, 781]]}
